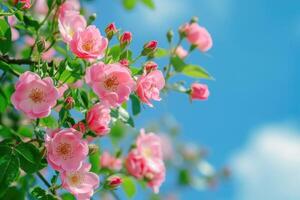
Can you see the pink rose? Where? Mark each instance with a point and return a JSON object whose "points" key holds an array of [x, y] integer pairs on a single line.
{"points": [[98, 119], [68, 6], [12, 20], [198, 36], [149, 86], [112, 82], [88, 43], [199, 91], [149, 145], [113, 182], [34, 96], [124, 62], [110, 162], [136, 164], [146, 161], [66, 150], [181, 52], [149, 47], [81, 183], [69, 23]]}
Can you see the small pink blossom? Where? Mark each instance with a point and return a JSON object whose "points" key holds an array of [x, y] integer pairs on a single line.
{"points": [[12, 20], [181, 52], [199, 91], [81, 183], [88, 43], [156, 176], [98, 119], [68, 6], [113, 182], [66, 150], [136, 164], [110, 162], [34, 96], [124, 62], [69, 23], [149, 86], [112, 82], [111, 30], [198, 35], [149, 47]]}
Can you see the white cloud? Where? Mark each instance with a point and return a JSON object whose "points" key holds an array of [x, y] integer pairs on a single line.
{"points": [[268, 167]]}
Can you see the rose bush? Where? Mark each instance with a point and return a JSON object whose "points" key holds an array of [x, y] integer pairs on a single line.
{"points": [[65, 86]]}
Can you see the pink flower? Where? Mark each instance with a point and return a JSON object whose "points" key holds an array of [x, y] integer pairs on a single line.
{"points": [[146, 162], [68, 6], [41, 7], [81, 183], [69, 23], [12, 20], [34, 96], [125, 38], [77, 84], [181, 52], [110, 162], [98, 118], [149, 86], [66, 150], [198, 36], [88, 43], [199, 91], [112, 82], [136, 164], [149, 145], [69, 102]]}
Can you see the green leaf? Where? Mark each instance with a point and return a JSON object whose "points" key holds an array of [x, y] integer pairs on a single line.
{"points": [[5, 36], [29, 21], [177, 63], [14, 69], [9, 167], [49, 122], [25, 131], [13, 193], [84, 98], [117, 131], [40, 194], [94, 160], [196, 72], [135, 104], [160, 52], [149, 3], [129, 187], [115, 52], [67, 196], [4, 101], [30, 157], [184, 177], [129, 4]]}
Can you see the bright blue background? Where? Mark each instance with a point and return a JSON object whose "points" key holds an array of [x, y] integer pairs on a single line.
{"points": [[255, 60]]}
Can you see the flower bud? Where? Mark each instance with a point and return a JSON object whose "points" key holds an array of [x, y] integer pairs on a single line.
{"points": [[113, 182], [80, 126], [124, 62], [125, 39], [93, 149], [149, 48], [111, 30], [149, 66], [194, 20], [69, 102], [91, 18], [170, 35]]}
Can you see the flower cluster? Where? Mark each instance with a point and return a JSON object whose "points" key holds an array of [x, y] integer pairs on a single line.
{"points": [[69, 66]]}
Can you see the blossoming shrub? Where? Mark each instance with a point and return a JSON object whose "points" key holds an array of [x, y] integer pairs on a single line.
{"points": [[65, 85]]}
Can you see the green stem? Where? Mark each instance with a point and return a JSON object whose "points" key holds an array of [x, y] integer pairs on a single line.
{"points": [[172, 53], [138, 57]]}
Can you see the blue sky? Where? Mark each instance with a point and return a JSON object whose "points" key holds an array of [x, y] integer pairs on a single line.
{"points": [[255, 60]]}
